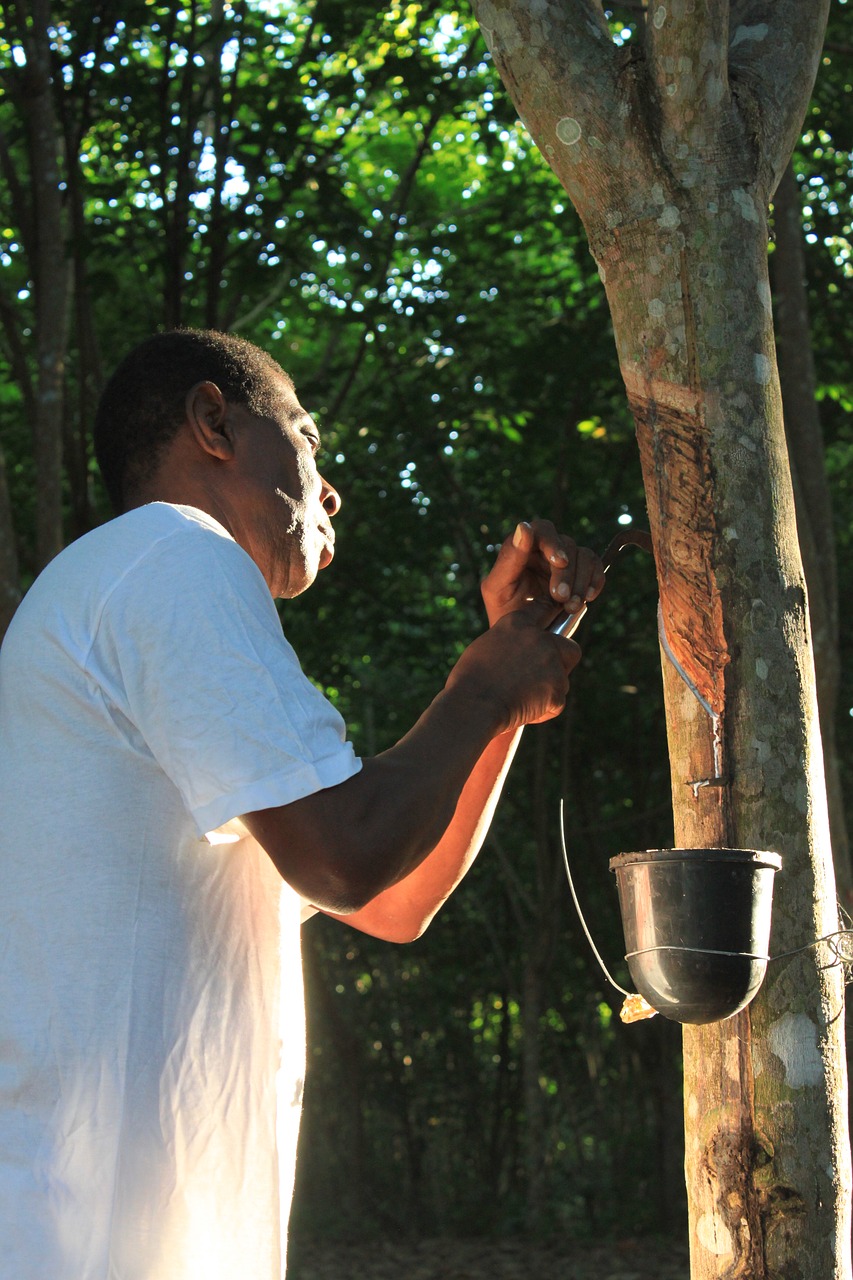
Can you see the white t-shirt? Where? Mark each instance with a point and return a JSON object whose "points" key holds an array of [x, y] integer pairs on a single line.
{"points": [[151, 1021]]}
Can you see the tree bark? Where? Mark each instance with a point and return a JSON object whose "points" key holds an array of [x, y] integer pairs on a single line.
{"points": [[670, 148], [10, 581], [811, 493], [10, 569], [50, 270]]}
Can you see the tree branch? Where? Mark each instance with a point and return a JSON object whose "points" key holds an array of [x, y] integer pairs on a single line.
{"points": [[688, 54], [398, 205], [774, 54], [578, 93], [566, 42]]}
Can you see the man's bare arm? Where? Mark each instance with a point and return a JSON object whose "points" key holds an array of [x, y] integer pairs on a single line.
{"points": [[341, 847], [535, 561], [385, 848], [402, 912]]}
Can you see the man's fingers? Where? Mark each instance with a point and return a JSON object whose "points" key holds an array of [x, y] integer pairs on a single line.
{"points": [[580, 581], [538, 562], [575, 574]]}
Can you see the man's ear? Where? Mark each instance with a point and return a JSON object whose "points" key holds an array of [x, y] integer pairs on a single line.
{"points": [[209, 420]]}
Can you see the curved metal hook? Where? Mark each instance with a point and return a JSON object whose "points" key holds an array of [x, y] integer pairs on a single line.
{"points": [[567, 623]]}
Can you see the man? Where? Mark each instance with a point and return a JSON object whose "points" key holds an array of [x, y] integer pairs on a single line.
{"points": [[176, 796]]}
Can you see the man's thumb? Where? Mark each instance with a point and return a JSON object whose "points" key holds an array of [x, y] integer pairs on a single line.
{"points": [[512, 557]]}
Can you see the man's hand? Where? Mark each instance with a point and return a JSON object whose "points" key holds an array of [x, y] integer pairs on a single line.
{"points": [[538, 563], [518, 667]]}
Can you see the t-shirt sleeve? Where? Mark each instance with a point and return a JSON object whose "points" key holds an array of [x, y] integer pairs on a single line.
{"points": [[189, 648]]}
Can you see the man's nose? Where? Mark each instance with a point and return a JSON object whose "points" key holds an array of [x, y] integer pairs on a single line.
{"points": [[330, 499]]}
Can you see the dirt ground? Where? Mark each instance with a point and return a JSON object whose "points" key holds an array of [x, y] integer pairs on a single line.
{"points": [[484, 1260]]}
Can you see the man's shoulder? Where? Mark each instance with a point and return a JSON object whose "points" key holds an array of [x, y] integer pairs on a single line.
{"points": [[144, 527], [119, 545], [152, 549]]}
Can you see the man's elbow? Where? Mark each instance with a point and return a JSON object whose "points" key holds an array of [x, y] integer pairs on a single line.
{"points": [[391, 921], [342, 891], [335, 866], [402, 934]]}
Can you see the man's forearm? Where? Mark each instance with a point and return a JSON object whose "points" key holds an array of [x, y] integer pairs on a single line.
{"points": [[343, 846], [403, 911]]}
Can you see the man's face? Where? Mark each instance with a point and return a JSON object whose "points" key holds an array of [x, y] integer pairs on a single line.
{"points": [[284, 506]]}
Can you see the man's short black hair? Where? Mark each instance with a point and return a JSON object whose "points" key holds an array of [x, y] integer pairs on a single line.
{"points": [[144, 402]]}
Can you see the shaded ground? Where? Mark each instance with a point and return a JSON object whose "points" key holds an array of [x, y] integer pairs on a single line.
{"points": [[485, 1260]]}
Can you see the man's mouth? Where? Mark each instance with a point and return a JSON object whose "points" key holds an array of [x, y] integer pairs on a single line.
{"points": [[328, 552]]}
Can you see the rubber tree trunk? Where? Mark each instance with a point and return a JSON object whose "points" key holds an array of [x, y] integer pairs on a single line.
{"points": [[670, 148]]}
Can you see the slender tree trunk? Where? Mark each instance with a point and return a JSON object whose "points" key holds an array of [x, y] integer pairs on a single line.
{"points": [[534, 1103], [50, 272], [670, 150], [172, 214], [342, 1124], [10, 581], [811, 493], [218, 134], [89, 372], [10, 569]]}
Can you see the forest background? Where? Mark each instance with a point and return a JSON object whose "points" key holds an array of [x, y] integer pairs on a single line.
{"points": [[349, 187]]}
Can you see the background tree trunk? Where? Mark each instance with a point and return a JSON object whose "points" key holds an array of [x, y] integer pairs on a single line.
{"points": [[811, 493], [50, 270], [10, 579], [671, 150]]}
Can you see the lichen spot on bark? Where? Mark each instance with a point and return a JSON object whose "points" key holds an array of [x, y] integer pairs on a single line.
{"points": [[670, 218], [731, 1058], [763, 369], [488, 18], [568, 131], [660, 17], [714, 1235], [793, 1039], [745, 204], [714, 92], [757, 32]]}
